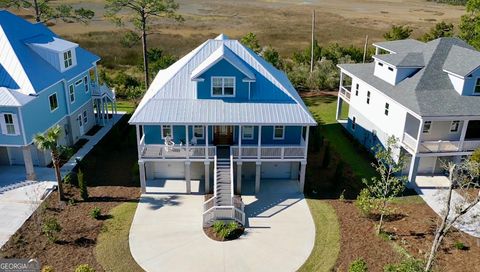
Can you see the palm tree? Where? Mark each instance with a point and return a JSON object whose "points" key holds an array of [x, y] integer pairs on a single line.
{"points": [[48, 141]]}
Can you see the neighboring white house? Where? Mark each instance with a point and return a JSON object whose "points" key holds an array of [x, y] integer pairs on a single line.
{"points": [[425, 94]]}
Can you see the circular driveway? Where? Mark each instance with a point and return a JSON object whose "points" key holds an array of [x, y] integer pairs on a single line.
{"points": [[167, 234]]}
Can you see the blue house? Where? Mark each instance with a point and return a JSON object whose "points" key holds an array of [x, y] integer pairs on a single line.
{"points": [[44, 81], [223, 112]]}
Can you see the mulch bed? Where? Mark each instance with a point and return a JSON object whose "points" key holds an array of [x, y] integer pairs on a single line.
{"points": [[235, 235], [413, 231], [77, 239]]}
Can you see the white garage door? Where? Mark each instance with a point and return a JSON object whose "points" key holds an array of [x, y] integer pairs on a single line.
{"points": [[276, 170], [174, 170]]}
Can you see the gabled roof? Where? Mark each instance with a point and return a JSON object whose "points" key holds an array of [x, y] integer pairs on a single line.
{"points": [[12, 98], [401, 46], [222, 53], [173, 86], [25, 67], [429, 92], [461, 61], [50, 42], [411, 59]]}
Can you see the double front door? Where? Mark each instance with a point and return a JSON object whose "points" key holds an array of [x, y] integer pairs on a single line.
{"points": [[223, 135]]}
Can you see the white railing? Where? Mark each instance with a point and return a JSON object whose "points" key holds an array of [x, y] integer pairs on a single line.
{"points": [[345, 92], [223, 213], [269, 152], [175, 152], [409, 141], [439, 146], [207, 205], [470, 145], [215, 176], [232, 194]]}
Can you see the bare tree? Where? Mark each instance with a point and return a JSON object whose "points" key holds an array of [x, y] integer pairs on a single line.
{"points": [[141, 14], [465, 177]]}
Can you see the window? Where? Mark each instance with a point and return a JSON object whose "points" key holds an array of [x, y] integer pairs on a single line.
{"points": [[477, 86], [198, 132], [354, 122], [356, 89], [67, 58], [278, 132], [387, 107], [454, 126], [390, 68], [223, 86], [167, 131], [9, 125], [368, 97], [247, 132], [85, 117], [78, 82], [380, 64], [71, 92], [85, 82], [52, 99], [427, 126]]}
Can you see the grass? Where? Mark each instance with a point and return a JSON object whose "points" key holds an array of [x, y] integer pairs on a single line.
{"points": [[126, 106], [327, 237], [112, 250]]}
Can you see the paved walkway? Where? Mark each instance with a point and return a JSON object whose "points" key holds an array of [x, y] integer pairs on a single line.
{"points": [[435, 198], [167, 234], [20, 198]]}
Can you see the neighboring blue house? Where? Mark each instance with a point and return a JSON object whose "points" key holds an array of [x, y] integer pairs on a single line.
{"points": [[44, 81], [218, 109]]}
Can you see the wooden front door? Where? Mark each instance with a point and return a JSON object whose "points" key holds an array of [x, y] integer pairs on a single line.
{"points": [[223, 135]]}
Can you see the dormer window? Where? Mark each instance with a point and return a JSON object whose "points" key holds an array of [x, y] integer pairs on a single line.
{"points": [[67, 59], [223, 86], [477, 86]]}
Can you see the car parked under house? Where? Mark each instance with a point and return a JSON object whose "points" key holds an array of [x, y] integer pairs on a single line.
{"points": [[44, 81], [222, 114]]}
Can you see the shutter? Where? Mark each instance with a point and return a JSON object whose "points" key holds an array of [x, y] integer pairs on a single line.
{"points": [[15, 124], [2, 124]]}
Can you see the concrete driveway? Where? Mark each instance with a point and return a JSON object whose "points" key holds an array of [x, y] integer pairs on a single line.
{"points": [[167, 234]]}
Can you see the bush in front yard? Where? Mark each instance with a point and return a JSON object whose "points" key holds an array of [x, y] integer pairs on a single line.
{"points": [[82, 185], [365, 202], [48, 268], [96, 213], [84, 268], [224, 230], [51, 228], [70, 178], [408, 265], [359, 265]]}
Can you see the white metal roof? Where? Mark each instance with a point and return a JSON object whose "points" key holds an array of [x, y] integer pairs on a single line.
{"points": [[13, 98]]}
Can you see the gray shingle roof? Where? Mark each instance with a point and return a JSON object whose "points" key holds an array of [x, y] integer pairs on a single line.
{"points": [[461, 61], [411, 59], [429, 92], [401, 46]]}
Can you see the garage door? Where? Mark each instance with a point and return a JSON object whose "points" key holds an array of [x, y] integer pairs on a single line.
{"points": [[174, 170], [276, 170]]}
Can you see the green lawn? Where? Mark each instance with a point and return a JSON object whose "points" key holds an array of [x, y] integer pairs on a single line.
{"points": [[126, 106], [112, 250], [327, 237]]}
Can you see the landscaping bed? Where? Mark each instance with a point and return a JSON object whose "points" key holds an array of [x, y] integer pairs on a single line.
{"points": [[79, 231], [221, 231]]}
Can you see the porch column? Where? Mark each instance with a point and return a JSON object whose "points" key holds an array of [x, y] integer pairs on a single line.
{"points": [[143, 183], [27, 158], [239, 177], [462, 135], [102, 111], [307, 135], [258, 173], [239, 141], [259, 149], [339, 108], [412, 174], [303, 168], [207, 177], [187, 142], [138, 140], [206, 142], [188, 181]]}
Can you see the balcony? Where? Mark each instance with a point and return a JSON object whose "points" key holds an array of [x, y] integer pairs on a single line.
{"points": [[269, 152], [345, 92], [439, 146]]}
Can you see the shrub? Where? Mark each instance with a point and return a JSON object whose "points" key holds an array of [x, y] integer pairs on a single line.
{"points": [[365, 202], [338, 175], [475, 155], [326, 156], [224, 230], [48, 268], [84, 268], [82, 185], [95, 213], [70, 178], [51, 228], [359, 265], [460, 246], [408, 265]]}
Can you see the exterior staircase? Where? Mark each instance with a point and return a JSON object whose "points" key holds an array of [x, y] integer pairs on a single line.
{"points": [[224, 205]]}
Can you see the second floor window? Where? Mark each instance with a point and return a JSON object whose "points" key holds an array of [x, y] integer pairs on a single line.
{"points": [[247, 132], [454, 126], [167, 131], [198, 132], [427, 126], [67, 58], [85, 82], [9, 124], [354, 122], [356, 89], [278, 132], [387, 108], [52, 99], [368, 97], [85, 117], [477, 86], [223, 86], [71, 93]]}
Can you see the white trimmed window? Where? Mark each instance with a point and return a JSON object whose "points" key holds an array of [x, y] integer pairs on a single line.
{"points": [[71, 93], [454, 126], [477, 86], [368, 97], [278, 132], [85, 117], [387, 108], [427, 126], [52, 99], [9, 124], [356, 89], [167, 131], [354, 122], [198, 132], [85, 82], [223, 86], [67, 59], [247, 132], [78, 82]]}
